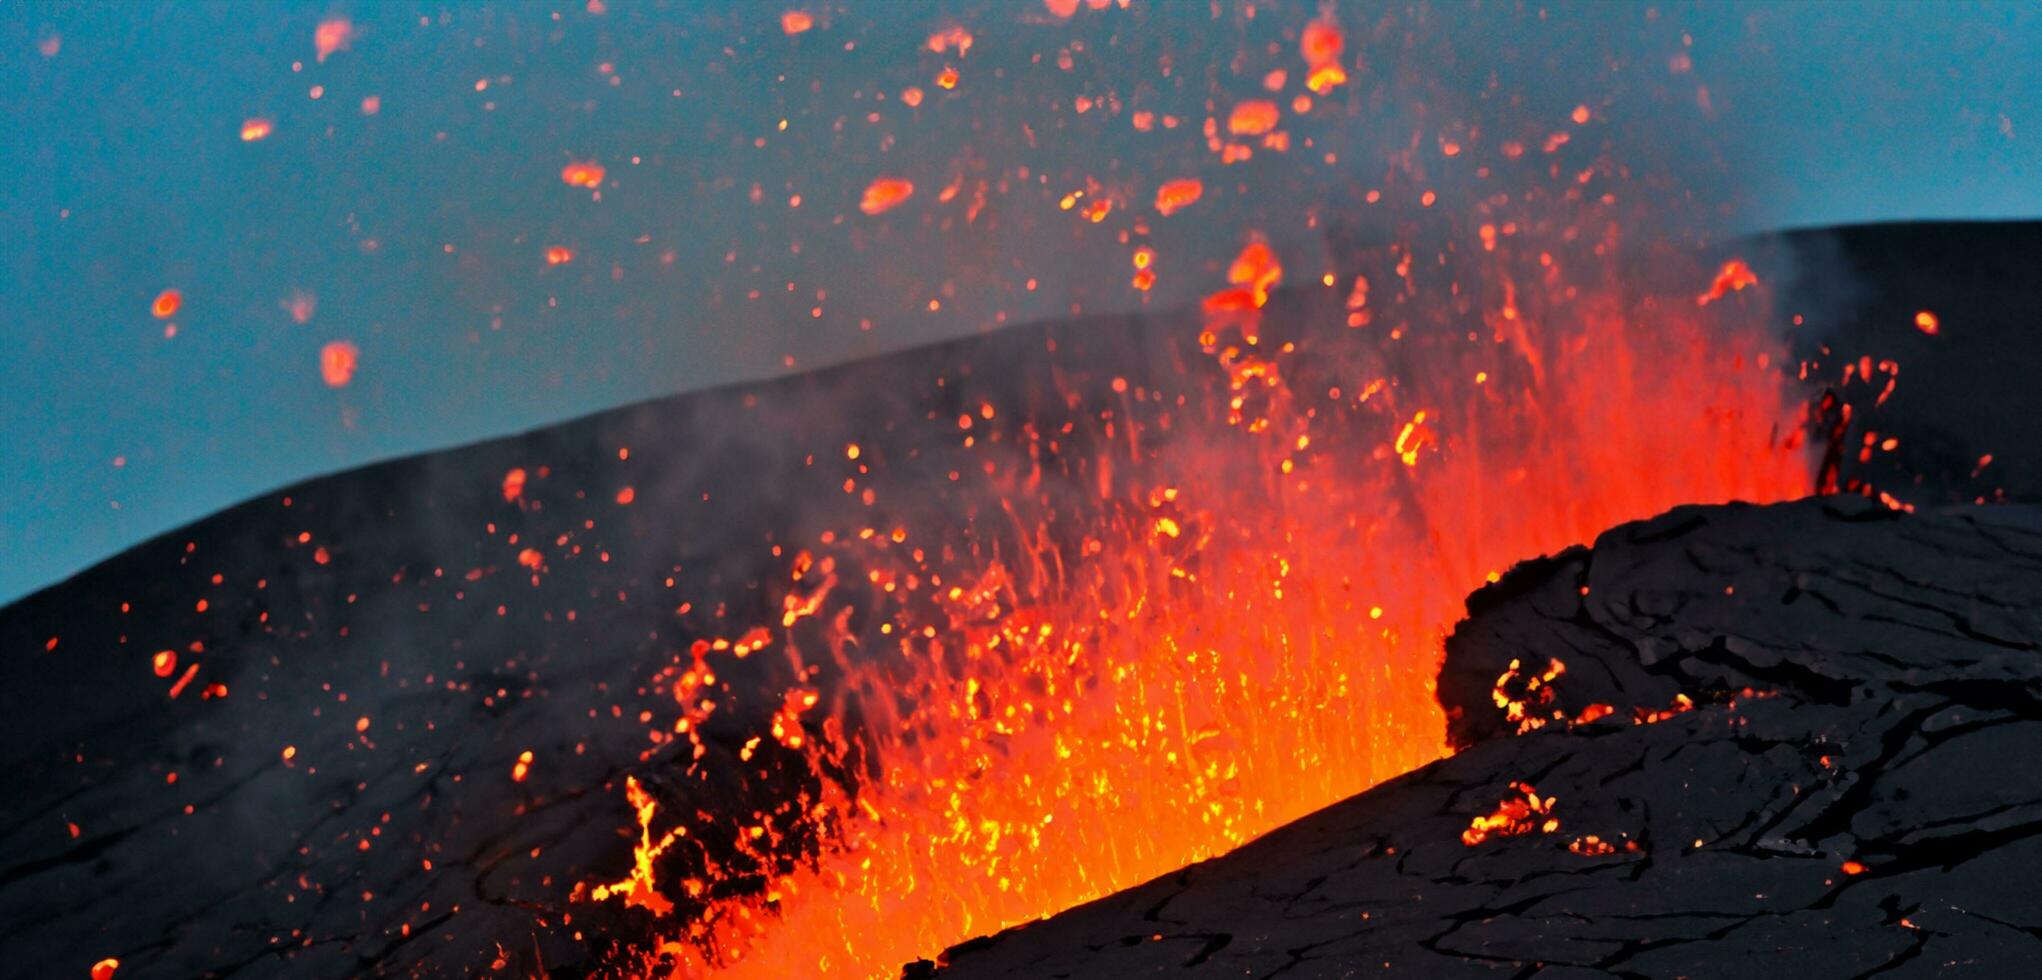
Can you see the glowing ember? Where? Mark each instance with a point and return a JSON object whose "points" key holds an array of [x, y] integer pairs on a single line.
{"points": [[1734, 275], [1516, 815], [582, 173], [1176, 195], [337, 362], [1927, 323], [885, 194], [103, 970], [1252, 118], [796, 21], [166, 304], [255, 129], [332, 34], [952, 38], [559, 255], [514, 483]]}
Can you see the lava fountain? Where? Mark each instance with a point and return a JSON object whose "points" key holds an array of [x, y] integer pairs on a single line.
{"points": [[1172, 608]]}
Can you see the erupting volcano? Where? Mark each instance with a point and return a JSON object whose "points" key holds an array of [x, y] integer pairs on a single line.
{"points": [[833, 673]]}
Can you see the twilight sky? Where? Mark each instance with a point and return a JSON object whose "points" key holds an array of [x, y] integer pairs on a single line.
{"points": [[409, 190]]}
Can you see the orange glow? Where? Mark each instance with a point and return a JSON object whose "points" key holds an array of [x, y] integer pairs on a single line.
{"points": [[255, 129], [1734, 275], [514, 483], [952, 38], [164, 663], [638, 890], [947, 78], [1927, 323], [1322, 43], [332, 34], [166, 304], [1173, 610], [337, 363], [1061, 9], [1516, 815], [1177, 195], [796, 21], [626, 496], [885, 194], [1325, 78], [1853, 868], [103, 970], [1252, 118], [523, 766], [559, 255], [1243, 629], [582, 173]]}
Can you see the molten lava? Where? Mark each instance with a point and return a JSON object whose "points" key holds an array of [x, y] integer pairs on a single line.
{"points": [[1172, 609], [1235, 623]]}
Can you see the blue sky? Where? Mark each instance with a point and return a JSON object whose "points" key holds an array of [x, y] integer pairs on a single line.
{"points": [[420, 231]]}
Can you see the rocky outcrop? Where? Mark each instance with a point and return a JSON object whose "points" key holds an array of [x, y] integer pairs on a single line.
{"points": [[1788, 740]]}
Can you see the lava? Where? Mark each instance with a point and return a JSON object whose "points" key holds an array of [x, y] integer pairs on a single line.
{"points": [[884, 194], [337, 362], [1176, 195], [1236, 624]]}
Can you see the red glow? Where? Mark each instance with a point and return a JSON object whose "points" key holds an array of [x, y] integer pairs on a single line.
{"points": [[337, 361], [885, 194], [1927, 323], [333, 34], [1176, 195], [582, 173], [1253, 118], [1734, 275], [796, 21], [166, 304]]}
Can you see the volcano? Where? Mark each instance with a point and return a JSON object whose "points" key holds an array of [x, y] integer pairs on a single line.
{"points": [[662, 689]]}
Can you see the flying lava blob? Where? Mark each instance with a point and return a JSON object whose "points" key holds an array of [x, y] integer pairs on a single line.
{"points": [[885, 194], [337, 361]]}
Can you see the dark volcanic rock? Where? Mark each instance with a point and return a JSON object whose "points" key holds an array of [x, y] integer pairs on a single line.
{"points": [[1851, 794]]}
